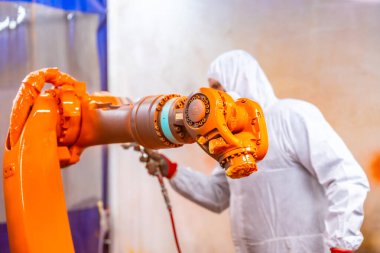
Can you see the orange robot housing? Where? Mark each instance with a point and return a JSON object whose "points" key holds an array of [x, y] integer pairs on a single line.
{"points": [[49, 130]]}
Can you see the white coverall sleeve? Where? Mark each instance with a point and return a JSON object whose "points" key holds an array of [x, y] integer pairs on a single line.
{"points": [[322, 152], [211, 192]]}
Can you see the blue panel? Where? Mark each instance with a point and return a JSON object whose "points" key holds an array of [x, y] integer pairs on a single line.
{"points": [[85, 229], [14, 50], [102, 50], [84, 226], [86, 6], [4, 245]]}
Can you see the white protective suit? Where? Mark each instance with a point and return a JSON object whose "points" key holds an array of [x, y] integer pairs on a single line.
{"points": [[308, 193]]}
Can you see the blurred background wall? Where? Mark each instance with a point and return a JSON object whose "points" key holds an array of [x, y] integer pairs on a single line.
{"points": [[325, 52]]}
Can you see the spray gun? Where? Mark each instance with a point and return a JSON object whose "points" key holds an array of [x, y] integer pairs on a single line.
{"points": [[145, 155]]}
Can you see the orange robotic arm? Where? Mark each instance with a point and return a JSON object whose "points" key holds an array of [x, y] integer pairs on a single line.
{"points": [[50, 129]]}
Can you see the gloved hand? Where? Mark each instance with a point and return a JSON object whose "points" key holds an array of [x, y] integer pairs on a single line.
{"points": [[336, 250], [159, 161]]}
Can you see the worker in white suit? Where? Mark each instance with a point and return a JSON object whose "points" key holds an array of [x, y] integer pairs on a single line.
{"points": [[308, 193]]}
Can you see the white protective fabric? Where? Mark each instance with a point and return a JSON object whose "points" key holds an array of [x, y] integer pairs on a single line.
{"points": [[309, 191]]}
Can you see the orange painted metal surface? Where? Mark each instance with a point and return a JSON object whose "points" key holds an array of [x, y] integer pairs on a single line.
{"points": [[30, 89], [34, 197], [233, 133], [50, 130], [375, 167]]}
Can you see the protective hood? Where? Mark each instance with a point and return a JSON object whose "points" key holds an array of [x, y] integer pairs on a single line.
{"points": [[238, 72]]}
